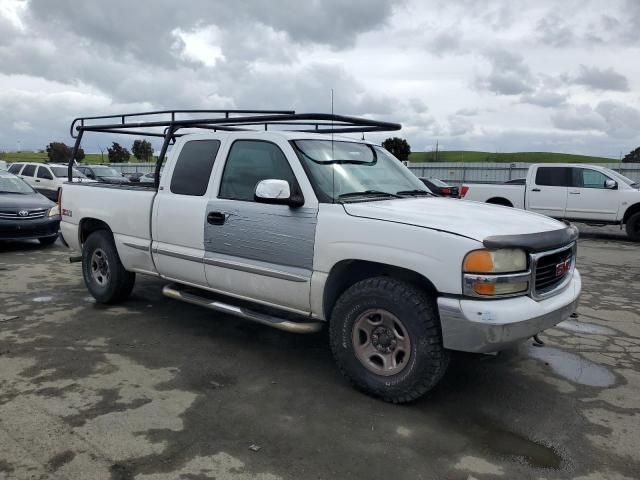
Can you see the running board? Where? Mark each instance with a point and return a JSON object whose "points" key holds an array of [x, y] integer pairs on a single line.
{"points": [[178, 293]]}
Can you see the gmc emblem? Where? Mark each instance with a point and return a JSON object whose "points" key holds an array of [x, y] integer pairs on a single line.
{"points": [[563, 267]]}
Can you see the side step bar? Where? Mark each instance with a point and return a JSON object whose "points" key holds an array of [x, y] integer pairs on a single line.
{"points": [[177, 292]]}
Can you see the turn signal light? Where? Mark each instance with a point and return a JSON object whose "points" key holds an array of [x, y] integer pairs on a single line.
{"points": [[478, 261]]}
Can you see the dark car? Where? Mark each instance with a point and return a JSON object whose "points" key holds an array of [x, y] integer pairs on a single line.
{"points": [[102, 173], [134, 177], [441, 188], [26, 214]]}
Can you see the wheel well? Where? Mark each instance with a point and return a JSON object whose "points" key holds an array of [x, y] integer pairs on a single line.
{"points": [[90, 225], [348, 272], [500, 201], [630, 211]]}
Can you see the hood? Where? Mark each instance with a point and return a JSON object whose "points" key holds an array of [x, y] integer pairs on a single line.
{"points": [[13, 201], [470, 219]]}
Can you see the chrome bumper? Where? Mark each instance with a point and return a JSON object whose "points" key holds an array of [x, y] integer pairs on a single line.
{"points": [[484, 326]]}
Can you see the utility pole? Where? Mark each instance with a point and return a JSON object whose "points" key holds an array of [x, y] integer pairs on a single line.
{"points": [[436, 149]]}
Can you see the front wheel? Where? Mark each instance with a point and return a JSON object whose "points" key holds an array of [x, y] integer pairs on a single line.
{"points": [[633, 227], [386, 339], [103, 272]]}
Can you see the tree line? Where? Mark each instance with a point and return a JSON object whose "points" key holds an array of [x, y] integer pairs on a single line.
{"points": [[59, 152]]}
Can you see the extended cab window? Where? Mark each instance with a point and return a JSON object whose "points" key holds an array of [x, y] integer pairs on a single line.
{"points": [[15, 168], [248, 163], [193, 167], [43, 172], [29, 170], [553, 176], [587, 178]]}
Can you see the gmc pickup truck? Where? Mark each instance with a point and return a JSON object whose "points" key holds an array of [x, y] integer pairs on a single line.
{"points": [[582, 193], [298, 229]]}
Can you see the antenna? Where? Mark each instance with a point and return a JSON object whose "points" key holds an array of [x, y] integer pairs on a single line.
{"points": [[333, 167]]}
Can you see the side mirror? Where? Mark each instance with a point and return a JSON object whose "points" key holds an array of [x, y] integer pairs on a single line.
{"points": [[610, 184], [276, 192]]}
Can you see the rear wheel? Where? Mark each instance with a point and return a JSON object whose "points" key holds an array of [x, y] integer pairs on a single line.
{"points": [[103, 272], [633, 227], [386, 339]]}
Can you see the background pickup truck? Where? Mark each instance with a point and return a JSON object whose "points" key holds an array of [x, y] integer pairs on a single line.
{"points": [[296, 230], [582, 193]]}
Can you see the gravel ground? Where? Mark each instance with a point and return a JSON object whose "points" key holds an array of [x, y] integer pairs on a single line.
{"points": [[156, 389]]}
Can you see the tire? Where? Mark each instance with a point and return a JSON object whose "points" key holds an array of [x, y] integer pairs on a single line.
{"points": [[48, 240], [427, 360], [633, 227], [105, 277]]}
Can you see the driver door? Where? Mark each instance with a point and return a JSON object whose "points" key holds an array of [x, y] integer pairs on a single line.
{"points": [[257, 251]]}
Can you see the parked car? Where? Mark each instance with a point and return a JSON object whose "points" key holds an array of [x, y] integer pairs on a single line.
{"points": [[46, 178], [582, 193], [516, 181], [296, 230], [102, 173], [3, 166], [26, 214], [134, 177], [440, 188]]}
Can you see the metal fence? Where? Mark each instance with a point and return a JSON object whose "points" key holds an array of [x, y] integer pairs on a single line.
{"points": [[476, 172]]}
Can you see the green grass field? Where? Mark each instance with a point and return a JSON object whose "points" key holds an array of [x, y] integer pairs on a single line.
{"points": [[42, 157], [443, 156], [528, 157]]}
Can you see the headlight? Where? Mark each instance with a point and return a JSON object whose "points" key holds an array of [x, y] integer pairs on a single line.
{"points": [[53, 211], [495, 261], [494, 273]]}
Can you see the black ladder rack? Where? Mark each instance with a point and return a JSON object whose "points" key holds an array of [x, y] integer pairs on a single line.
{"points": [[150, 124]]}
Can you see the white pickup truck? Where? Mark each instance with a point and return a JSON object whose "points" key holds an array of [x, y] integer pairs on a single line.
{"points": [[296, 229], [582, 193]]}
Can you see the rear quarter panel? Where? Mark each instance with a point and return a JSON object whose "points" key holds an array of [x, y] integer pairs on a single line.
{"points": [[127, 212]]}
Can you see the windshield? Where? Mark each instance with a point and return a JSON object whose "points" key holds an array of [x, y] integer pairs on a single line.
{"points": [[341, 169], [11, 184], [105, 172], [62, 172]]}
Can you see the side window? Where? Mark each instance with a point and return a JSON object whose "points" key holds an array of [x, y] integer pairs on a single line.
{"points": [[29, 170], [43, 172], [249, 162], [552, 176], [193, 167], [587, 178], [15, 168]]}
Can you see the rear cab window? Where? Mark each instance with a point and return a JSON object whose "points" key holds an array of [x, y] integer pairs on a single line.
{"points": [[29, 170], [553, 176], [193, 167]]}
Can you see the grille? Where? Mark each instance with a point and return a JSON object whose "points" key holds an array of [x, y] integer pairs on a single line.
{"points": [[553, 269], [32, 214]]}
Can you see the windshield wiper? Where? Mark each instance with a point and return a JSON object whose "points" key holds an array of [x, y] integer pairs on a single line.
{"points": [[415, 192], [366, 193]]}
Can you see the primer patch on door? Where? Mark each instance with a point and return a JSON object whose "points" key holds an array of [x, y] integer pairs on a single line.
{"points": [[275, 234]]}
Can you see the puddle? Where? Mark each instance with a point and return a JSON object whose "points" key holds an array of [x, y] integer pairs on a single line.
{"points": [[582, 327], [573, 367], [508, 444], [42, 299]]}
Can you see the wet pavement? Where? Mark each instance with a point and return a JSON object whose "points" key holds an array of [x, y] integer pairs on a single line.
{"points": [[155, 389]]}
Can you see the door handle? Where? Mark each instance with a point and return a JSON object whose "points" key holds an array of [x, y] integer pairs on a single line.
{"points": [[535, 189], [574, 193], [216, 218], [38, 181]]}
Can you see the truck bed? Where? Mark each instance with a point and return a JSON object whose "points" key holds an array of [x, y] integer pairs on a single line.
{"points": [[492, 193]]}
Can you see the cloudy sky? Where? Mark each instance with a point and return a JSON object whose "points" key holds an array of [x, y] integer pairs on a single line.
{"points": [[512, 76]]}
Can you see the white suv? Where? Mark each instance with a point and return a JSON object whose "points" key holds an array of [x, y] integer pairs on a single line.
{"points": [[45, 178]]}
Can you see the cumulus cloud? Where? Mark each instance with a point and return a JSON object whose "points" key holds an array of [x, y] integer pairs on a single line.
{"points": [[601, 79], [509, 74], [578, 117]]}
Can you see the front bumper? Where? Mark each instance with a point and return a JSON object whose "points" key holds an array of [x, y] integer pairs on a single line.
{"points": [[484, 326], [29, 229]]}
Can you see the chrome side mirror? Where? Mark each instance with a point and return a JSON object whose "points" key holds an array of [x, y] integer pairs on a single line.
{"points": [[276, 192], [610, 184]]}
